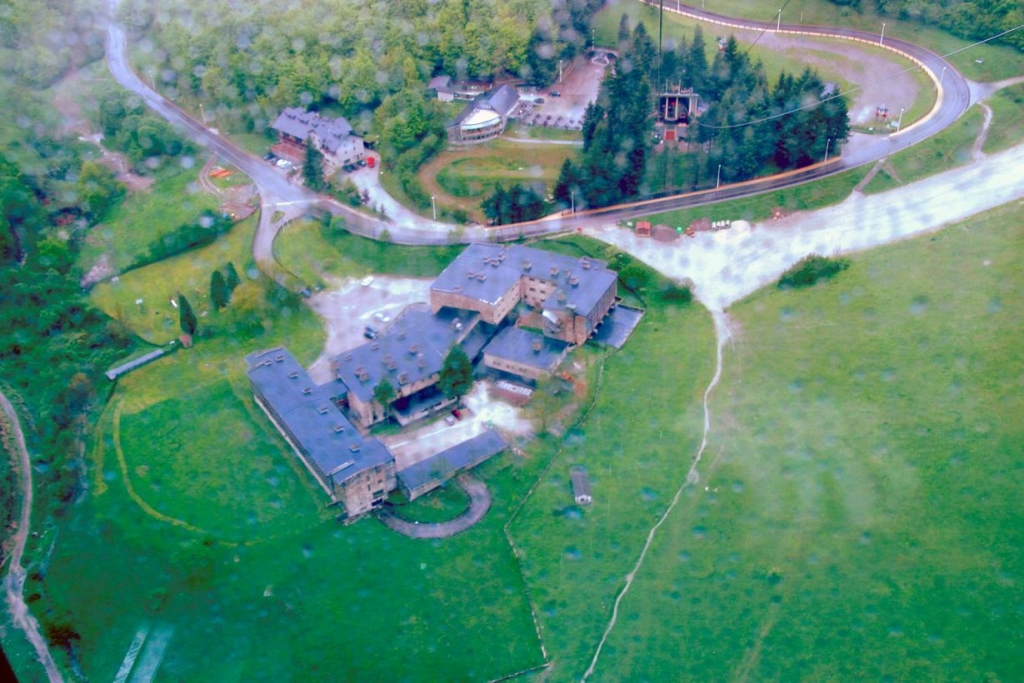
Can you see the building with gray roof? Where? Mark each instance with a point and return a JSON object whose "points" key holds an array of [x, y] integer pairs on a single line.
{"points": [[335, 138], [573, 295], [525, 354], [427, 475], [485, 117], [409, 355], [354, 470]]}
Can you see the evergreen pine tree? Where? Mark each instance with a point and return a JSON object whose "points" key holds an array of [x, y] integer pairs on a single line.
{"points": [[232, 280], [186, 317], [219, 292], [313, 167]]}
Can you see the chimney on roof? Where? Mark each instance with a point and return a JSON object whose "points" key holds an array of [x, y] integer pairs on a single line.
{"points": [[537, 345], [279, 358], [293, 375], [307, 391], [561, 296], [554, 271], [470, 274], [414, 349], [338, 429], [573, 280], [346, 356], [421, 361], [354, 446], [585, 262], [527, 265]]}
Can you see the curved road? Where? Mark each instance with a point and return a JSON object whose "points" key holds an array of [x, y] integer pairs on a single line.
{"points": [[15, 581], [479, 504], [276, 191]]}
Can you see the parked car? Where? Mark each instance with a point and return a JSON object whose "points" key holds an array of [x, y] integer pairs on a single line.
{"points": [[456, 413], [365, 282], [370, 333], [555, 93], [449, 419]]}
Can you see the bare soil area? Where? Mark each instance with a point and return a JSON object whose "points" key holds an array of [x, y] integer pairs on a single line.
{"points": [[879, 76]]}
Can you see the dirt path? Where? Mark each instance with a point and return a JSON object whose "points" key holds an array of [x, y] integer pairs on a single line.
{"points": [[723, 333], [479, 504], [15, 581], [979, 142]]}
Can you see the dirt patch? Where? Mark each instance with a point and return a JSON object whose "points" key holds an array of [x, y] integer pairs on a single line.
{"points": [[879, 77]]}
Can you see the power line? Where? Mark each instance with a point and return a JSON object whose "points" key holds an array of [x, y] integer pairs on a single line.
{"points": [[856, 88]]}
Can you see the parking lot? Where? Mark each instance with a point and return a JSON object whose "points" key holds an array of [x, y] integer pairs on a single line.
{"points": [[578, 88]]}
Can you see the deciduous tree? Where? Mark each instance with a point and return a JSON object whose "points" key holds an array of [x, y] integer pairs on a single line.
{"points": [[456, 374]]}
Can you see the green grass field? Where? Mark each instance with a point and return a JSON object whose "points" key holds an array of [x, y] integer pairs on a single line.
{"points": [[1007, 127], [304, 249], [859, 494], [147, 216], [804, 197], [948, 149]]}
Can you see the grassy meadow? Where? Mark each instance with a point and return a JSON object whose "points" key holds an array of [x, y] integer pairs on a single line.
{"points": [[856, 517], [1007, 127], [947, 150]]}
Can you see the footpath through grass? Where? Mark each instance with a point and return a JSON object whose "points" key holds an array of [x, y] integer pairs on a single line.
{"points": [[947, 150], [858, 517], [1007, 127]]}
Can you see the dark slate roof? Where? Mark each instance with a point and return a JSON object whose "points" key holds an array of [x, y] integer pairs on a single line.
{"points": [[299, 123], [413, 348], [309, 413], [439, 82], [580, 482], [478, 274], [581, 281], [527, 348], [447, 463], [501, 100], [616, 328]]}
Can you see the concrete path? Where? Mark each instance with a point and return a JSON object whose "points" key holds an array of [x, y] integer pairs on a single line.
{"points": [[479, 504]]}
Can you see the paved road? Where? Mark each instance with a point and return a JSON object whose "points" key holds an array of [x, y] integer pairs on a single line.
{"points": [[275, 190], [15, 581], [479, 504]]}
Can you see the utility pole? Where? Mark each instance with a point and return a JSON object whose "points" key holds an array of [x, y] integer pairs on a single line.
{"points": [[718, 183], [433, 207], [828, 141], [778, 22], [572, 198], [882, 37], [899, 123]]}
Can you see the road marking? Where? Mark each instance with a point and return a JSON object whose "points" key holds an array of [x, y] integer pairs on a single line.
{"points": [[153, 655]]}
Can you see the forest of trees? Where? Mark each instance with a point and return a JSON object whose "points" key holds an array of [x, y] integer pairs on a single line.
{"points": [[748, 128], [248, 61], [969, 19]]}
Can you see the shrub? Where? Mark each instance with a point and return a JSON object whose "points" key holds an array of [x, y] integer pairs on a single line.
{"points": [[811, 269]]}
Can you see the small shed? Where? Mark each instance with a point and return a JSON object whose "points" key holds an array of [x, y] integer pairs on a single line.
{"points": [[580, 486], [643, 228]]}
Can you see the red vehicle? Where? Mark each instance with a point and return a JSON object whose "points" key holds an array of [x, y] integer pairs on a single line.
{"points": [[456, 413], [370, 161]]}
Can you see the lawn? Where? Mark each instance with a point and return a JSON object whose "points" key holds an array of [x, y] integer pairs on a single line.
{"points": [[949, 149], [860, 494], [637, 442], [1007, 127], [309, 251], [155, 319], [807, 196], [145, 217]]}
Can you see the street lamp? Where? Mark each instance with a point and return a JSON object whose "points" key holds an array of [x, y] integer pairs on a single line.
{"points": [[572, 198], [202, 113], [900, 122], [778, 21], [718, 183], [941, 75], [882, 37], [559, 70], [433, 207], [828, 141]]}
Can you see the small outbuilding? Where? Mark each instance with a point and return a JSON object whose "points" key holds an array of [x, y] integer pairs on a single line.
{"points": [[580, 486]]}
